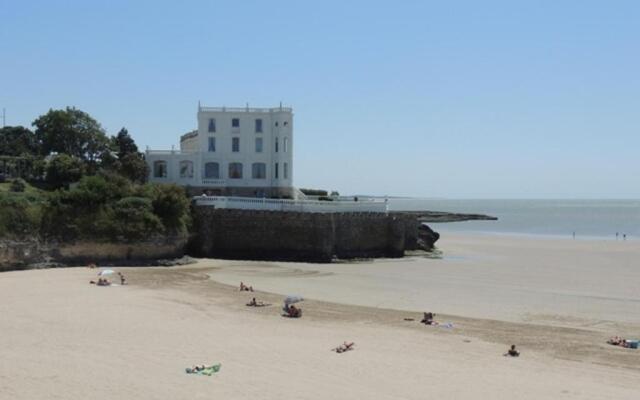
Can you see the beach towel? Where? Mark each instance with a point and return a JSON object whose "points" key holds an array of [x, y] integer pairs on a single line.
{"points": [[208, 371]]}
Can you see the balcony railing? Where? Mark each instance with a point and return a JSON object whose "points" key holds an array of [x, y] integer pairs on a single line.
{"points": [[214, 182], [310, 206], [245, 109]]}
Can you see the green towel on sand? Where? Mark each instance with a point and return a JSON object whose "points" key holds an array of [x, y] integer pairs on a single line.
{"points": [[208, 371]]}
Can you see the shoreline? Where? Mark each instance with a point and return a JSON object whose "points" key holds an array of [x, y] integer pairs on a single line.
{"points": [[533, 236]]}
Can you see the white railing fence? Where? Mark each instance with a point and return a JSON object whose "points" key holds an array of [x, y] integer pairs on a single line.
{"points": [[310, 206]]}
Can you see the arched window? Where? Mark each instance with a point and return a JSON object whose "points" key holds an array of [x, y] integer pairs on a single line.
{"points": [[285, 171], [186, 169], [259, 171], [212, 170], [235, 170], [285, 144], [160, 169], [276, 145]]}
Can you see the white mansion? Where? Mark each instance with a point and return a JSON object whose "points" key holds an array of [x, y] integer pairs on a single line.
{"points": [[234, 152]]}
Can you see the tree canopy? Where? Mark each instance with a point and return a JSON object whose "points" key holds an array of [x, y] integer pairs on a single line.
{"points": [[72, 132], [18, 141]]}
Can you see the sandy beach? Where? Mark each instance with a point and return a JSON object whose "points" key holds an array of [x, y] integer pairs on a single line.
{"points": [[558, 300]]}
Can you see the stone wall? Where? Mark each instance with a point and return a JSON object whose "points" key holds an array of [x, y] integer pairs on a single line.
{"points": [[274, 235], [120, 253], [29, 253]]}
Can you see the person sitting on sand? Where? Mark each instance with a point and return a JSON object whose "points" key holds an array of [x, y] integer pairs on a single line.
{"points": [[344, 347], [294, 312], [428, 319], [245, 288], [254, 303], [103, 282], [512, 351]]}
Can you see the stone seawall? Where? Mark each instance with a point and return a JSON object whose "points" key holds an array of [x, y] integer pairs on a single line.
{"points": [[269, 235], [30, 253]]}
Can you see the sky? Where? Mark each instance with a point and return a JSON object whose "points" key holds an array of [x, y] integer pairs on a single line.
{"points": [[455, 99]]}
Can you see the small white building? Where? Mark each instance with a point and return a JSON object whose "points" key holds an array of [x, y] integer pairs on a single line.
{"points": [[234, 152]]}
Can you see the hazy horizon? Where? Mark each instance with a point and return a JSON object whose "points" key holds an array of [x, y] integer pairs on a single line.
{"points": [[491, 100]]}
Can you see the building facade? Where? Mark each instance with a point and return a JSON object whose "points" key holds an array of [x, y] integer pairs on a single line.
{"points": [[234, 152]]}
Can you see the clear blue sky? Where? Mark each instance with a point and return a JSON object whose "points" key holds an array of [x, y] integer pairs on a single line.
{"points": [[460, 99]]}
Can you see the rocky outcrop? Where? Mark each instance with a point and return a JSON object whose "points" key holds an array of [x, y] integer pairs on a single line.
{"points": [[427, 237]]}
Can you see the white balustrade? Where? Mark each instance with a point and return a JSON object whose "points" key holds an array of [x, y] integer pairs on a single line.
{"points": [[310, 206]]}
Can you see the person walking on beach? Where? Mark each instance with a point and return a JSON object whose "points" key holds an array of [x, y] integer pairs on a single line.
{"points": [[624, 236], [574, 234], [617, 234]]}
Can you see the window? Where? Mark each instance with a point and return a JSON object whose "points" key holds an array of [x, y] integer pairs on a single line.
{"points": [[235, 170], [276, 123], [212, 124], [259, 145], [286, 123], [285, 145], [212, 144], [186, 169], [258, 125], [235, 122], [276, 145], [259, 171], [275, 171], [235, 145], [159, 169], [285, 171], [212, 170]]}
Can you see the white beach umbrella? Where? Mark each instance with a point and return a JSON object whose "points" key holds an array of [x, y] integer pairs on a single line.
{"points": [[293, 300], [106, 272]]}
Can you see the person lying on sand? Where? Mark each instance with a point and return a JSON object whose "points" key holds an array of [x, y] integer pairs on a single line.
{"points": [[616, 341], [254, 303], [344, 347], [512, 352], [203, 369], [428, 319]]}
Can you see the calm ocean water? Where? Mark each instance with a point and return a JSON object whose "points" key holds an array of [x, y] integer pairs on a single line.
{"points": [[587, 218]]}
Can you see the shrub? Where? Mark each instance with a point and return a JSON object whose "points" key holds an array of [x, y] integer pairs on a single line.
{"points": [[18, 185], [314, 192], [171, 205], [18, 216], [62, 170]]}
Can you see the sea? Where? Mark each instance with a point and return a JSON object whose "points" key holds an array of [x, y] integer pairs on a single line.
{"points": [[585, 218]]}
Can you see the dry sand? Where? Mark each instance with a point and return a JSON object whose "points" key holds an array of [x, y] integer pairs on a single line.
{"points": [[65, 339]]}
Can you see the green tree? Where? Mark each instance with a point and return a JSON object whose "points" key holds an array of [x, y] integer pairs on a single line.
{"points": [[133, 167], [72, 132], [62, 170], [18, 141], [124, 143]]}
